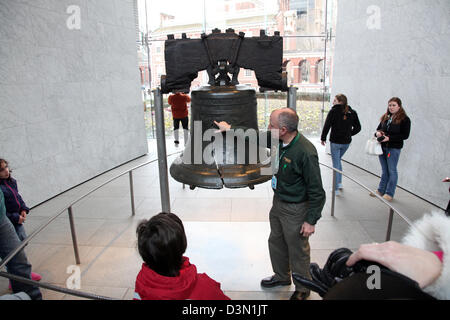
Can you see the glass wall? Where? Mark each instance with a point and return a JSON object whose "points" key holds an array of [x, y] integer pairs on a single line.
{"points": [[307, 27]]}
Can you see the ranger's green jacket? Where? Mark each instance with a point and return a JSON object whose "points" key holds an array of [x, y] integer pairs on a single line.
{"points": [[298, 176]]}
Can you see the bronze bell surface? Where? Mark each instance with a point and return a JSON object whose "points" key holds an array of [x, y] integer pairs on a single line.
{"points": [[213, 159]]}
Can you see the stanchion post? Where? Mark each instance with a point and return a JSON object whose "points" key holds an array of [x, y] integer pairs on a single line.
{"points": [[162, 154], [133, 210], [74, 236], [292, 98], [333, 193], [389, 230]]}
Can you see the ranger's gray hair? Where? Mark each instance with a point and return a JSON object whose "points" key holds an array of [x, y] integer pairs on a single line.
{"points": [[288, 118]]}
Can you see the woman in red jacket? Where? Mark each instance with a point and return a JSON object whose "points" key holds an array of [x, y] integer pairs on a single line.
{"points": [[166, 274]]}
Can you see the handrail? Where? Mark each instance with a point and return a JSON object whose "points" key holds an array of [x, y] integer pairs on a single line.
{"points": [[392, 209], [116, 177], [54, 288], [27, 240], [368, 189], [43, 226], [69, 208]]}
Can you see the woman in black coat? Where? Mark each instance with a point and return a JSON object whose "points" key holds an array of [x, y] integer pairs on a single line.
{"points": [[344, 123], [393, 129]]}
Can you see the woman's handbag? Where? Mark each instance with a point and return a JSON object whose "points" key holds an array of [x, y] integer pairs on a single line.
{"points": [[373, 147]]}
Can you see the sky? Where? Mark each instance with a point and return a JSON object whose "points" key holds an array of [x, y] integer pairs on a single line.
{"points": [[185, 11]]}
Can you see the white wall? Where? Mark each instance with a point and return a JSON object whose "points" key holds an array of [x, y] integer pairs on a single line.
{"points": [[69, 99], [407, 57]]}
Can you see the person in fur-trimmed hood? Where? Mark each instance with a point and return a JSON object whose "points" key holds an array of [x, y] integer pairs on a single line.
{"points": [[423, 255], [431, 233]]}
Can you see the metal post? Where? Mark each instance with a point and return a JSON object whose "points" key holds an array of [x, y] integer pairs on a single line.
{"points": [[266, 110], [74, 236], [204, 16], [389, 230], [162, 154], [292, 98], [333, 193], [133, 211], [149, 67], [151, 115], [324, 64]]}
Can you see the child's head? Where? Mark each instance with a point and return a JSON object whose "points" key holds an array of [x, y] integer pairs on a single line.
{"points": [[4, 169], [162, 243]]}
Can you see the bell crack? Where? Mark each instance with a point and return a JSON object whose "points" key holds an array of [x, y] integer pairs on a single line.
{"points": [[217, 167]]}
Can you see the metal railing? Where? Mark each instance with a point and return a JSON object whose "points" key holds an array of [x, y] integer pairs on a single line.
{"points": [[69, 209], [392, 209]]}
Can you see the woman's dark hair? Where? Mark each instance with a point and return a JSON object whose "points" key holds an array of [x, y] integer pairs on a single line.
{"points": [[6, 164], [343, 101], [398, 116], [162, 243]]}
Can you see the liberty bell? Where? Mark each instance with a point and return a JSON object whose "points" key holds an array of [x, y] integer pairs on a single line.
{"points": [[235, 158]]}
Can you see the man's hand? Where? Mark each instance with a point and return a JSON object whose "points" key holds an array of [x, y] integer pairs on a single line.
{"points": [[307, 229], [222, 125], [419, 265], [323, 142]]}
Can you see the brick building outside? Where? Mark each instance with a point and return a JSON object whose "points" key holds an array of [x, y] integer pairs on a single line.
{"points": [[296, 20]]}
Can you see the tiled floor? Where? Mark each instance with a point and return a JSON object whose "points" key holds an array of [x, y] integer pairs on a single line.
{"points": [[227, 230]]}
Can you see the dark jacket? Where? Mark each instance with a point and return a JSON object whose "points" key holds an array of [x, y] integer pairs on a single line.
{"points": [[397, 133], [13, 201], [341, 130], [2, 206]]}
